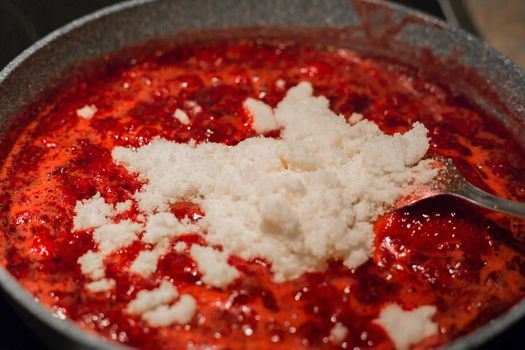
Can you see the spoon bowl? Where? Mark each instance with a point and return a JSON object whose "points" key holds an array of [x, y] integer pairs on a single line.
{"points": [[449, 181]]}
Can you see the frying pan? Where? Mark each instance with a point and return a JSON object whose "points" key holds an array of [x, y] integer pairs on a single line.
{"points": [[450, 55]]}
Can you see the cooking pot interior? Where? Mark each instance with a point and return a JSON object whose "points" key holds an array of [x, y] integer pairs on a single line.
{"points": [[430, 47]]}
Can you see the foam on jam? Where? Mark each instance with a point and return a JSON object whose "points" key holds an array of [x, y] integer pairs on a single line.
{"points": [[467, 262]]}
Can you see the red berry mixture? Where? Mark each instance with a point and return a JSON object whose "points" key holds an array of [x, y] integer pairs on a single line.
{"points": [[467, 262]]}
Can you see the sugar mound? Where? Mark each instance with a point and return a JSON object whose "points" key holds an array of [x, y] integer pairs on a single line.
{"points": [[297, 201]]}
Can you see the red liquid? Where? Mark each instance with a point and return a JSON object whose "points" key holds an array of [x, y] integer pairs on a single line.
{"points": [[467, 262]]}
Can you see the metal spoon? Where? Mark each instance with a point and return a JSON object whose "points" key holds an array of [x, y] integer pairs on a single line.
{"points": [[449, 181]]}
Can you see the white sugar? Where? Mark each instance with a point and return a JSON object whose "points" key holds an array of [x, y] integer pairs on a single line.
{"points": [[87, 112], [297, 201], [407, 328]]}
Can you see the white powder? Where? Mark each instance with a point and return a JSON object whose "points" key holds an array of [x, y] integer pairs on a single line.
{"points": [[96, 213], [92, 264], [100, 285], [146, 300], [154, 306], [355, 118], [111, 237], [146, 262], [181, 116], [122, 207], [213, 265], [195, 108], [297, 201], [87, 112], [92, 212], [181, 312], [338, 333], [263, 119], [165, 225], [277, 216], [407, 328]]}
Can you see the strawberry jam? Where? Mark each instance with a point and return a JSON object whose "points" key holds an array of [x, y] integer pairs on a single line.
{"points": [[468, 262]]}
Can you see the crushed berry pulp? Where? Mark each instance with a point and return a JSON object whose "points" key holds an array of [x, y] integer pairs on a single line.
{"points": [[467, 262]]}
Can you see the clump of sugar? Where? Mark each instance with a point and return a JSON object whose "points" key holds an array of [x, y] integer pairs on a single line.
{"points": [[101, 285], [181, 116], [92, 265], [87, 112], [181, 312], [195, 108], [97, 215], [92, 212], [156, 308], [297, 201], [165, 225], [216, 271], [149, 299], [113, 236], [407, 328], [146, 261]]}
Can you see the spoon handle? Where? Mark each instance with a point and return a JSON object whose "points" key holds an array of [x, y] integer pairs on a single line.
{"points": [[474, 195]]}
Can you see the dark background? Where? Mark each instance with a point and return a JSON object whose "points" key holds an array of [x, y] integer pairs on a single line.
{"points": [[22, 22]]}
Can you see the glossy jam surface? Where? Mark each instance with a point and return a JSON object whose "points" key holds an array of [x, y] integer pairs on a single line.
{"points": [[467, 262]]}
